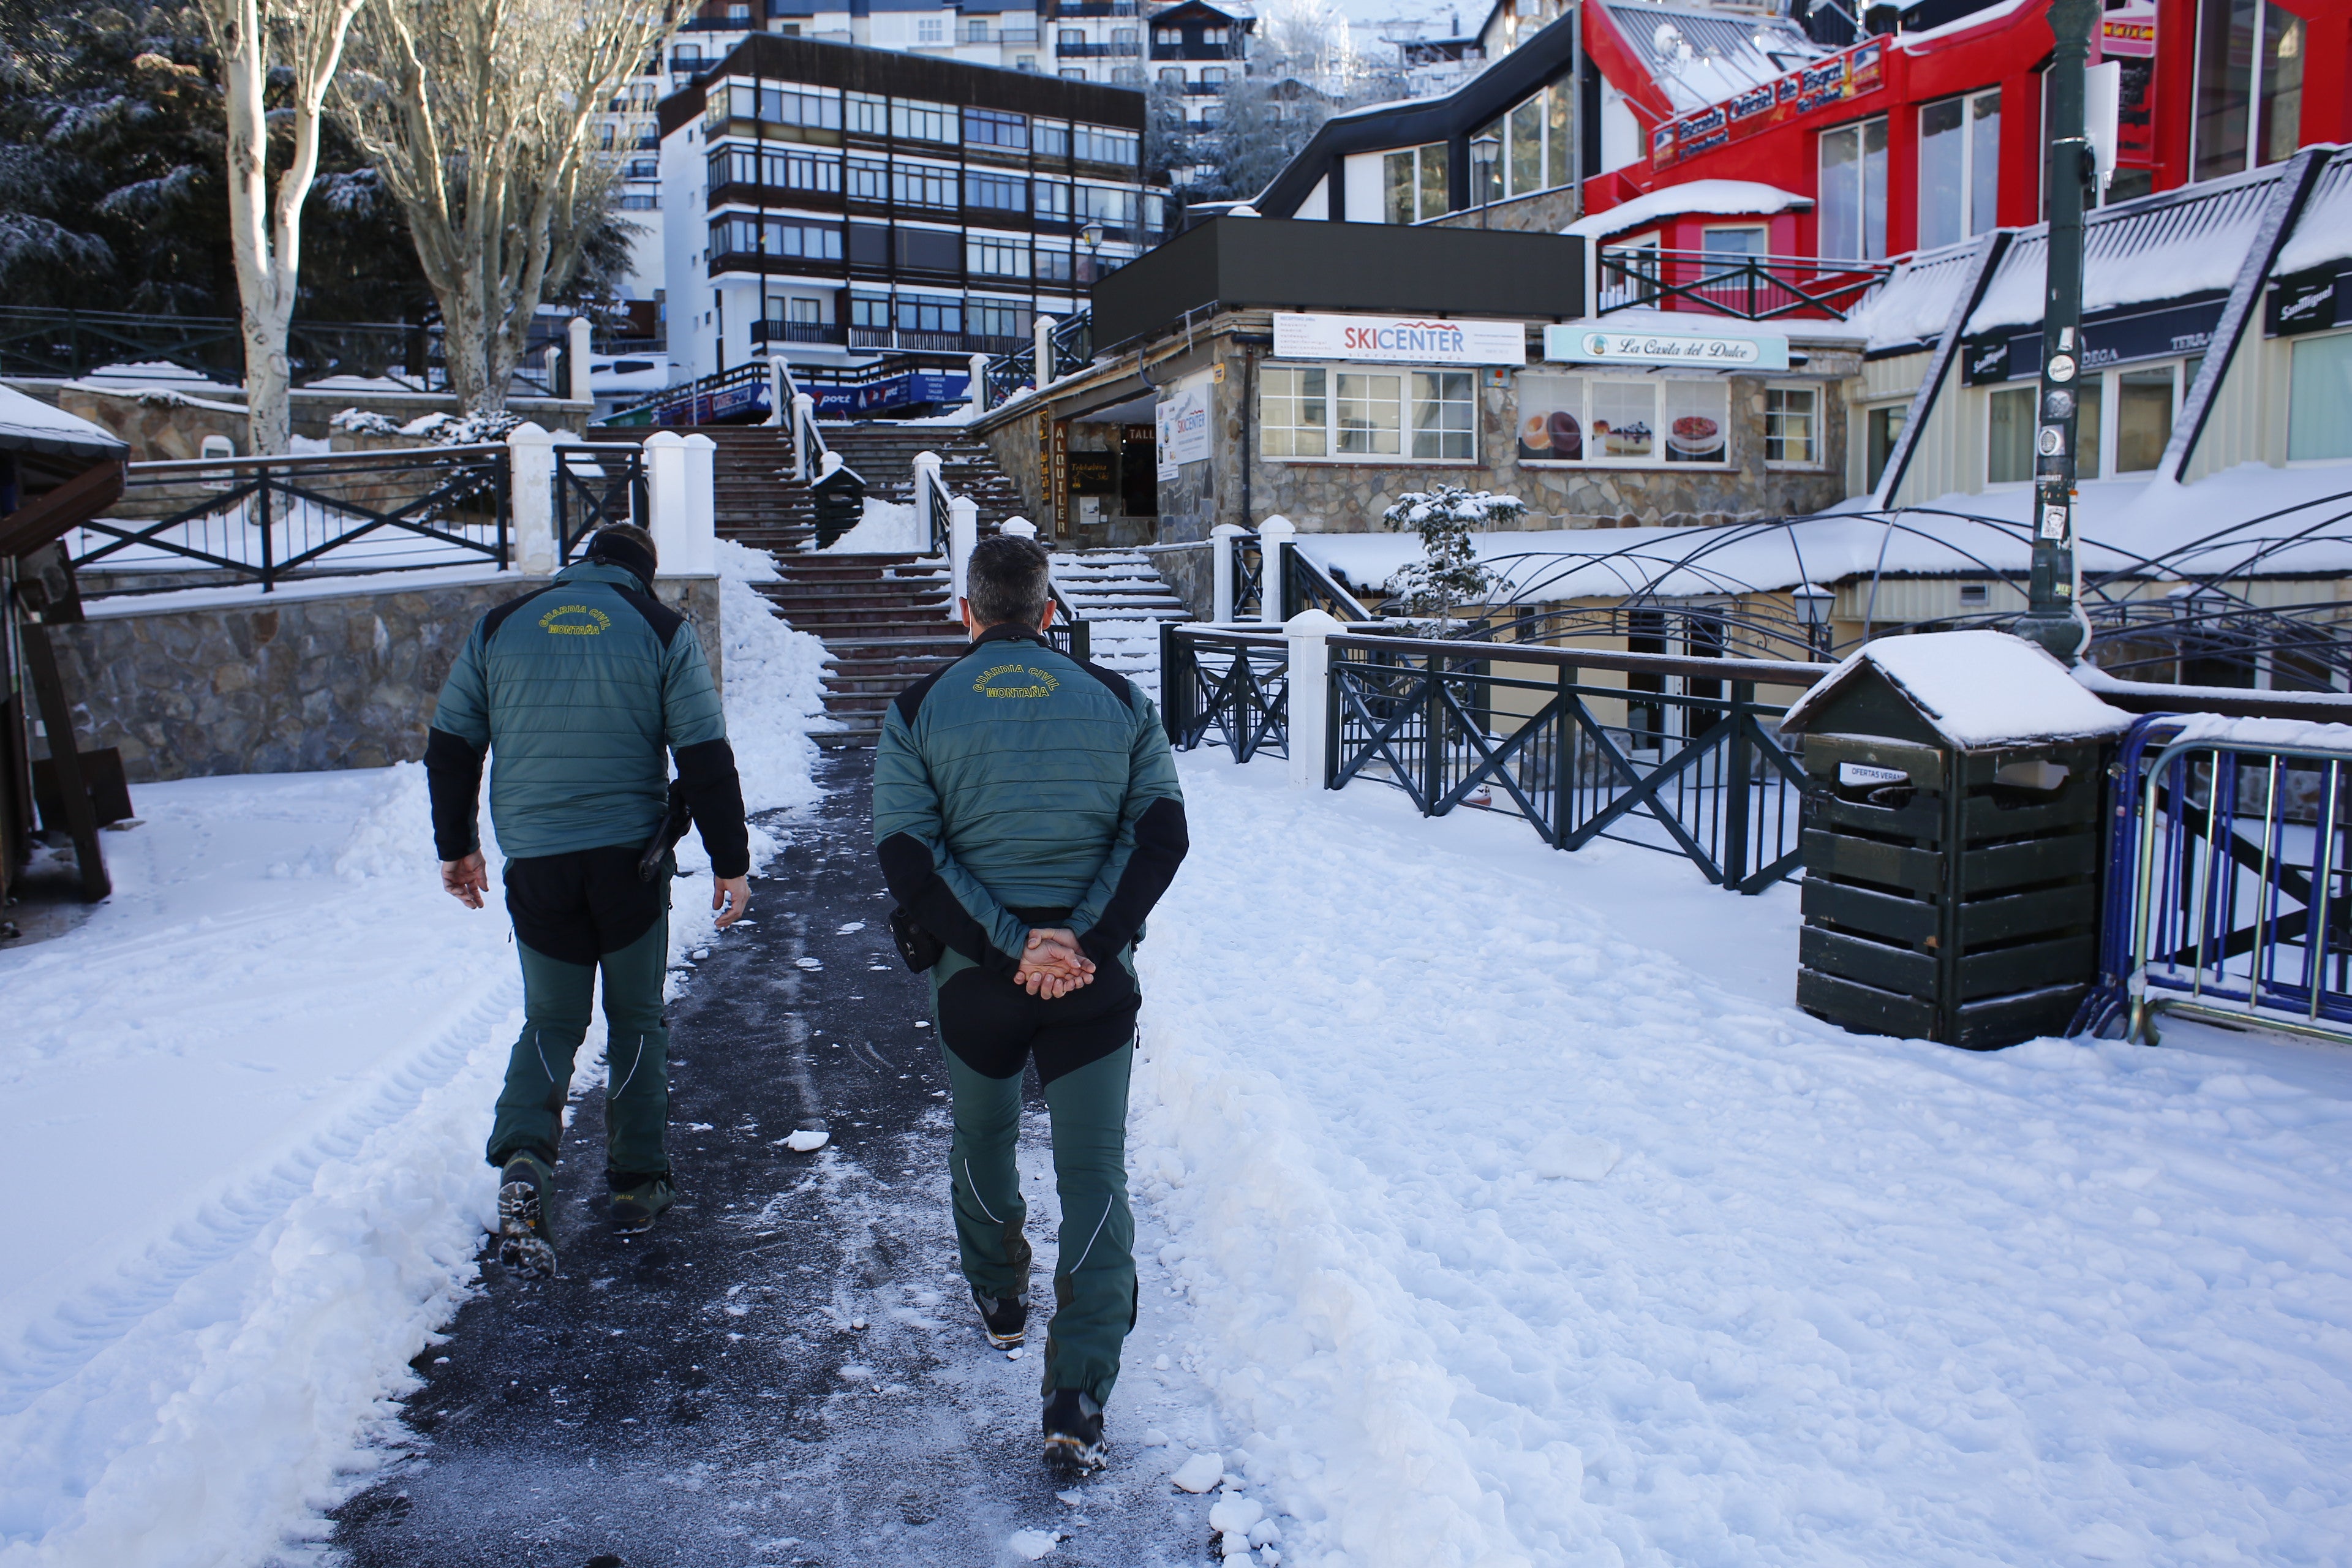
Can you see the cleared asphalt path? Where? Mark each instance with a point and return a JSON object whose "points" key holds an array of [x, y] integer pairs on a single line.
{"points": [[786, 1370]]}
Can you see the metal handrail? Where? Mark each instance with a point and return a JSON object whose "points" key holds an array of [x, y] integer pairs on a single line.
{"points": [[1752, 288], [596, 484], [1072, 342], [1070, 632]]}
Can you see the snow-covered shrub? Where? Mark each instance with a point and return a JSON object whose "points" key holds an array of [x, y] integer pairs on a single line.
{"points": [[462, 429], [362, 422], [1448, 573]]}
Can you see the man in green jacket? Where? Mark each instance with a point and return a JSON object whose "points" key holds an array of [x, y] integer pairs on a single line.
{"points": [[1027, 817], [576, 691]]}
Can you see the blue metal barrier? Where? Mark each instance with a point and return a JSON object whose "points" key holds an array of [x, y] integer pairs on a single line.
{"points": [[2226, 881]]}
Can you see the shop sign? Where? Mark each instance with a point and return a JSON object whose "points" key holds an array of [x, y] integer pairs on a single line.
{"points": [[2127, 35], [1182, 426], [1848, 74], [2108, 339], [1093, 474], [1580, 343], [1401, 340], [2306, 302]]}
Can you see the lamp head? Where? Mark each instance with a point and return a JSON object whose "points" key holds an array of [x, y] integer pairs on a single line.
{"points": [[1092, 234]]}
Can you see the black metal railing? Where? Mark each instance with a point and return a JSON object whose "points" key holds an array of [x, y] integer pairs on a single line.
{"points": [[47, 344], [1752, 288], [1233, 683], [1073, 349], [768, 332], [596, 484], [1069, 632], [936, 501], [267, 519], [1249, 577], [1306, 585]]}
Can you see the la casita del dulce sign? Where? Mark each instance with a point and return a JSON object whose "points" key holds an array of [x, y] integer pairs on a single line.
{"points": [[1399, 339], [1576, 343]]}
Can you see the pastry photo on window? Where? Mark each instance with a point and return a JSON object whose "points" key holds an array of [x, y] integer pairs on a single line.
{"points": [[1551, 414]]}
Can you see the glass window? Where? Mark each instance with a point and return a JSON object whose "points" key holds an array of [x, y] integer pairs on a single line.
{"points": [[998, 258], [2280, 95], [869, 310], [1792, 426], [919, 186], [919, 121], [1444, 409], [1623, 416], [1527, 161], [1414, 182], [869, 180], [1884, 429], [987, 128], [1556, 98], [930, 313], [2090, 402], [1053, 266], [931, 29], [1368, 413], [2008, 437], [1433, 180], [1498, 171], [2144, 404], [1212, 75], [807, 311], [1694, 416], [1006, 193], [1292, 412], [1397, 187], [1551, 419], [1852, 210], [1172, 76], [1000, 317], [1052, 198], [867, 114], [2319, 398], [1101, 144], [2248, 107]]}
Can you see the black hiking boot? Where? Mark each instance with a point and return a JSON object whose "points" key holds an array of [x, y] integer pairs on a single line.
{"points": [[1005, 1317], [635, 1206], [1073, 1432], [526, 1192]]}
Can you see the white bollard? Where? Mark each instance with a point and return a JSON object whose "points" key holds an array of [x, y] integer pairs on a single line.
{"points": [[1274, 536], [1018, 528], [666, 493], [963, 532], [779, 396], [1044, 363], [531, 492], [695, 552], [1309, 692], [583, 389], [979, 387], [1220, 571]]}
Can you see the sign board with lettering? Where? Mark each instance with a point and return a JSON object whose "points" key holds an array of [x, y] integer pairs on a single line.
{"points": [[1182, 423], [1399, 339], [1583, 342]]}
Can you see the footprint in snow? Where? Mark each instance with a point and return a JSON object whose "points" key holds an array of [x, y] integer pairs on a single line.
{"points": [[1576, 1156]]}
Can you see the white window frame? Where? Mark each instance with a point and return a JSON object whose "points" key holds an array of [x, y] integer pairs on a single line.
{"points": [[1820, 437], [2108, 378], [1860, 130], [1969, 226], [1655, 385], [1406, 429]]}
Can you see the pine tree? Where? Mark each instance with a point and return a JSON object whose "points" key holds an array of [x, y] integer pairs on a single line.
{"points": [[1449, 573]]}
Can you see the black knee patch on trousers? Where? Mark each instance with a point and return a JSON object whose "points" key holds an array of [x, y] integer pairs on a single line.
{"points": [[578, 906], [994, 1026]]}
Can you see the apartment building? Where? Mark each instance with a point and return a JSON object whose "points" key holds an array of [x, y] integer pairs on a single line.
{"points": [[842, 201]]}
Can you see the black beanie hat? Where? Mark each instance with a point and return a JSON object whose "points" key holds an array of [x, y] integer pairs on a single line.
{"points": [[614, 548]]}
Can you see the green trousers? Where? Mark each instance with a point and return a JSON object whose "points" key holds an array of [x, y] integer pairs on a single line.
{"points": [[1094, 1279], [557, 997]]}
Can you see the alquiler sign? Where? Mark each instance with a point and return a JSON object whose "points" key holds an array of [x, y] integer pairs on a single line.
{"points": [[1399, 339]]}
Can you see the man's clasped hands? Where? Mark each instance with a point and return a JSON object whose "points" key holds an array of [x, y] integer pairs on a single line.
{"points": [[1053, 964]]}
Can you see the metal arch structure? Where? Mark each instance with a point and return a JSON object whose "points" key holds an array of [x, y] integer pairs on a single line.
{"points": [[2207, 613]]}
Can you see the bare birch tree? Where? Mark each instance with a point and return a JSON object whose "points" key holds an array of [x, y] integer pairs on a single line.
{"points": [[306, 39], [480, 116]]}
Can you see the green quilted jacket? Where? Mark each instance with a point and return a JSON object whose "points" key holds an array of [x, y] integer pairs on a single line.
{"points": [[577, 690], [1017, 787]]}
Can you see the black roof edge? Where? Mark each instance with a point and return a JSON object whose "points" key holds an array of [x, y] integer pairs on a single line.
{"points": [[860, 69], [1473, 104]]}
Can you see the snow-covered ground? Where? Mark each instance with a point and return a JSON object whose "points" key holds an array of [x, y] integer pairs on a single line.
{"points": [[247, 1101], [1527, 1223]]}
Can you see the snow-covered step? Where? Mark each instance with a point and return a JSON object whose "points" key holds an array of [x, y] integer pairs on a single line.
{"points": [[1124, 601]]}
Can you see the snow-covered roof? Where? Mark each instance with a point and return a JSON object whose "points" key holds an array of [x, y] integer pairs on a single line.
{"points": [[2190, 241], [1920, 42], [2323, 231], [1701, 56], [29, 424], [1917, 302], [1977, 687], [1732, 198]]}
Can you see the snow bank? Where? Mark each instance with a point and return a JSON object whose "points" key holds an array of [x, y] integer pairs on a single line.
{"points": [[1839, 1300], [887, 527]]}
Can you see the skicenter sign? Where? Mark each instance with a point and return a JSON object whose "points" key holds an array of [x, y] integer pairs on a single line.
{"points": [[1400, 340]]}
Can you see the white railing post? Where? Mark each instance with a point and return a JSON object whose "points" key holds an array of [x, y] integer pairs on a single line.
{"points": [[779, 396], [804, 423], [1044, 361], [926, 467], [1018, 528], [581, 334], [1220, 571], [531, 488], [1275, 535], [1309, 686], [666, 492], [691, 548], [979, 382], [963, 532]]}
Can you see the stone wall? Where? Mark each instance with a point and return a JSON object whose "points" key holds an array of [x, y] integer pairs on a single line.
{"points": [[1546, 212], [342, 680]]}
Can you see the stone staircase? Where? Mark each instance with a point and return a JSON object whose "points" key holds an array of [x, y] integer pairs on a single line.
{"points": [[884, 457], [885, 622], [1124, 600]]}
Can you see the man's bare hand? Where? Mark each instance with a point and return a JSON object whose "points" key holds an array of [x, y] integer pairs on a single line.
{"points": [[466, 881], [732, 897], [1053, 964]]}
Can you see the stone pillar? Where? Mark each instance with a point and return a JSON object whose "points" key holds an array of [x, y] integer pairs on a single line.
{"points": [[1311, 688], [666, 492], [979, 388], [532, 487], [1221, 570], [1273, 537], [963, 532], [581, 334]]}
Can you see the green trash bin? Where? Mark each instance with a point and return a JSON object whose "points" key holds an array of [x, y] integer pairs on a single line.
{"points": [[1953, 825]]}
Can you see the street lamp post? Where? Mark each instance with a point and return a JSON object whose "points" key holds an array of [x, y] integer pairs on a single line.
{"points": [[1092, 238], [2054, 618], [1484, 150], [1813, 603]]}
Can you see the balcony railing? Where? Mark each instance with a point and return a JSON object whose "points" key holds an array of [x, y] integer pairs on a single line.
{"points": [[911, 341], [798, 333], [1084, 51], [1752, 288]]}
